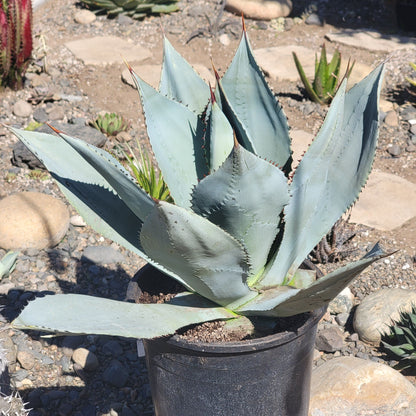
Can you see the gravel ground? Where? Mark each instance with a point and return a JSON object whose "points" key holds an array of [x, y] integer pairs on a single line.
{"points": [[42, 368]]}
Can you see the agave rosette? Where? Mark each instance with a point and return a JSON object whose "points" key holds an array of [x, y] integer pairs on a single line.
{"points": [[239, 228]]}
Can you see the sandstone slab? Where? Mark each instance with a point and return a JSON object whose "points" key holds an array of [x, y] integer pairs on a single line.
{"points": [[372, 40], [387, 202], [103, 50], [277, 62], [349, 386], [32, 220], [377, 311], [260, 9]]}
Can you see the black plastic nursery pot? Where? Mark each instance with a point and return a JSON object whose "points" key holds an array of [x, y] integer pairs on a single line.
{"points": [[268, 376]]}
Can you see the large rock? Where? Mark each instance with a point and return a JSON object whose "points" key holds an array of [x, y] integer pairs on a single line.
{"points": [[260, 9], [32, 220], [349, 386], [377, 311], [103, 50], [387, 202]]}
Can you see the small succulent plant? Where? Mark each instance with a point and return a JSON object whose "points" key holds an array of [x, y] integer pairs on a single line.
{"points": [[412, 80], [146, 174], [327, 76], [8, 263], [110, 124], [137, 9], [400, 340], [242, 221], [15, 41]]}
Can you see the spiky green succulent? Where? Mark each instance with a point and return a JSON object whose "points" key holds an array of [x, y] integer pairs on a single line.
{"points": [[327, 76], [137, 9], [400, 340], [412, 80], [110, 124], [146, 173], [241, 223]]}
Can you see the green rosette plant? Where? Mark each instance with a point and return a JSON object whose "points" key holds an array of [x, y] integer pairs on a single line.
{"points": [[241, 223], [327, 76]]}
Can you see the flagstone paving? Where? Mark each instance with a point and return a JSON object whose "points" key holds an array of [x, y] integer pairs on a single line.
{"points": [[102, 50], [372, 40]]}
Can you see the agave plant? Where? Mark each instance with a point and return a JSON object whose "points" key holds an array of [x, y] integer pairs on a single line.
{"points": [[137, 9], [15, 41], [326, 80], [400, 340], [241, 224]]}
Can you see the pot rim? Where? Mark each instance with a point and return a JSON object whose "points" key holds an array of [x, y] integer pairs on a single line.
{"points": [[250, 345]]}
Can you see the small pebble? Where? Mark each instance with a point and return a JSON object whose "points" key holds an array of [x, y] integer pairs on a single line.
{"points": [[86, 359], [394, 150], [22, 109]]}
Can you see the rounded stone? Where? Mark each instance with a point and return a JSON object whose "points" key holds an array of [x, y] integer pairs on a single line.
{"points": [[26, 359], [84, 17], [86, 359], [343, 303], [377, 311], [22, 108], [391, 119], [350, 386], [260, 9], [32, 220]]}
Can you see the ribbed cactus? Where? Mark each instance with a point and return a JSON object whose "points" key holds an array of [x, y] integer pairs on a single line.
{"points": [[15, 41], [241, 223], [137, 9]]}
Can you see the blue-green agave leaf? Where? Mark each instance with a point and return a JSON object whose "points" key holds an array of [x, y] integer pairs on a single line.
{"points": [[281, 301], [85, 188], [331, 175], [89, 192], [176, 135], [115, 174], [323, 290], [260, 119], [207, 258], [81, 314], [245, 197], [8, 263], [219, 137], [180, 82]]}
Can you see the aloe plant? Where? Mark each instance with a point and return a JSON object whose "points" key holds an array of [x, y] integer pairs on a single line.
{"points": [[241, 223], [15, 41], [326, 79]]}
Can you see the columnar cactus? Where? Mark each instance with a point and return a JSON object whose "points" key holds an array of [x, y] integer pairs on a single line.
{"points": [[15, 41], [241, 223]]}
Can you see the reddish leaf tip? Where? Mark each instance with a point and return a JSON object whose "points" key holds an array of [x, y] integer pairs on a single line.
{"points": [[54, 129]]}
